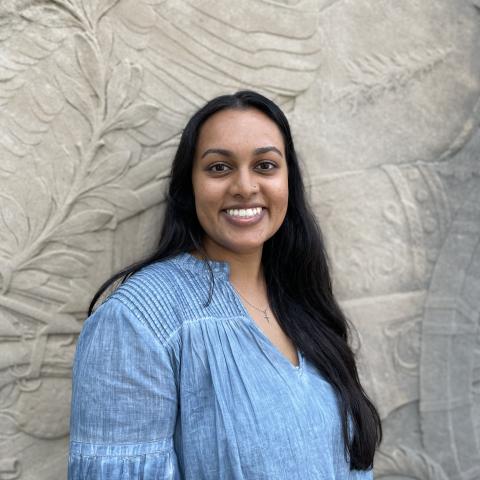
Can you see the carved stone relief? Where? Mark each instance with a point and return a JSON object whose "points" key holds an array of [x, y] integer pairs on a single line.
{"points": [[384, 103]]}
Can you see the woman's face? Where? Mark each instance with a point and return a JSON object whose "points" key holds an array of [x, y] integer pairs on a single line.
{"points": [[239, 165]]}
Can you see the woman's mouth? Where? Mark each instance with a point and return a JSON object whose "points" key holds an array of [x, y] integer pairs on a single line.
{"points": [[245, 216], [244, 212]]}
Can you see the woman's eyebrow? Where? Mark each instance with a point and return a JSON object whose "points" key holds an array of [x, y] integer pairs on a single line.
{"points": [[260, 150], [229, 153], [219, 151]]}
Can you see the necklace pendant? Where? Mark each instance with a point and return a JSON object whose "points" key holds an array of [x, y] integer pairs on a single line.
{"points": [[266, 316]]}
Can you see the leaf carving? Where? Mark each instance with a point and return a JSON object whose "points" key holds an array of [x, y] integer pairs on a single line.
{"points": [[87, 221], [22, 53], [85, 178], [89, 63], [120, 198], [76, 95], [29, 279], [103, 6], [48, 16], [81, 300], [123, 87], [117, 88], [14, 229], [162, 160], [62, 262], [134, 116], [136, 80], [110, 168], [83, 242]]}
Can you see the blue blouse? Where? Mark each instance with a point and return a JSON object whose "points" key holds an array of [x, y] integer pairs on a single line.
{"points": [[165, 388]]}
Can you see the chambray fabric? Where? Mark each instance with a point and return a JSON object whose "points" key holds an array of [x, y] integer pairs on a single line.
{"points": [[165, 388]]}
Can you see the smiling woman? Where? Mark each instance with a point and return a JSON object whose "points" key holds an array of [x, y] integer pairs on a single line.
{"points": [[239, 165], [224, 355]]}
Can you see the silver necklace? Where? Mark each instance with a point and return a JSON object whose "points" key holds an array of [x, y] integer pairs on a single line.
{"points": [[264, 311]]}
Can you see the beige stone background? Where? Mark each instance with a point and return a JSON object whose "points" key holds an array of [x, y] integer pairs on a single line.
{"points": [[383, 97]]}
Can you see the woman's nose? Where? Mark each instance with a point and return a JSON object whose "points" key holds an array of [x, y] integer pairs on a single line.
{"points": [[243, 183]]}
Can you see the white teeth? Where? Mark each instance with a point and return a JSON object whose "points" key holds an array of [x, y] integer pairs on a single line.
{"points": [[249, 212]]}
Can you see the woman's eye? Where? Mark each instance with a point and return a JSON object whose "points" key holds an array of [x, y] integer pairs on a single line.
{"points": [[218, 168], [266, 166]]}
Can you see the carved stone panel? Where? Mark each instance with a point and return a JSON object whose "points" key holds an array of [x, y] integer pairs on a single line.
{"points": [[383, 98]]}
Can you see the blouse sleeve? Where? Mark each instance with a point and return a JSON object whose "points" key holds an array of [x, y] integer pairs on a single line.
{"points": [[124, 401]]}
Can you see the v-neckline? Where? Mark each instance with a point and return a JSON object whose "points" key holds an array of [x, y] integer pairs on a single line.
{"points": [[262, 334], [223, 270]]}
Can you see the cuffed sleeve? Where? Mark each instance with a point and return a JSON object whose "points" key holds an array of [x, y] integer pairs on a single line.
{"points": [[154, 461], [124, 400]]}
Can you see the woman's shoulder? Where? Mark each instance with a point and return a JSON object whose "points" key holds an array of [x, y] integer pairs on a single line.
{"points": [[170, 292], [159, 275], [151, 294]]}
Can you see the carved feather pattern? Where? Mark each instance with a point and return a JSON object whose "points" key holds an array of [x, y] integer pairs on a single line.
{"points": [[192, 50], [374, 75], [26, 100]]}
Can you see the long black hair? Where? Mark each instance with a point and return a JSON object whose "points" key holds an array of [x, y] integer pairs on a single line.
{"points": [[298, 282]]}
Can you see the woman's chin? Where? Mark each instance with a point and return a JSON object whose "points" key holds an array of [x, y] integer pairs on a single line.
{"points": [[238, 247]]}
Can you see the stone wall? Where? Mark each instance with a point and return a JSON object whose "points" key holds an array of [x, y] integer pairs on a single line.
{"points": [[383, 97]]}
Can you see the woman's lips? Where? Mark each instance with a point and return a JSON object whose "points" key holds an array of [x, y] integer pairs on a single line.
{"points": [[241, 221]]}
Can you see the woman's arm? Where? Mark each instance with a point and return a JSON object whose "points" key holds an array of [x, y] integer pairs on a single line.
{"points": [[124, 400]]}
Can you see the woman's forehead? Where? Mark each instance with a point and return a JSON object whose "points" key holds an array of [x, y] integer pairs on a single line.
{"points": [[239, 128]]}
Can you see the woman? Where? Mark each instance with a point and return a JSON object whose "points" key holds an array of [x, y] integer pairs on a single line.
{"points": [[224, 355]]}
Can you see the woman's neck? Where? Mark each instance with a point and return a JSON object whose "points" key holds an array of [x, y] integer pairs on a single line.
{"points": [[246, 270]]}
